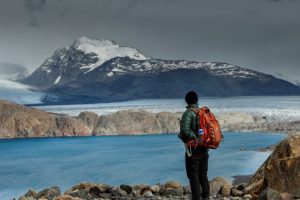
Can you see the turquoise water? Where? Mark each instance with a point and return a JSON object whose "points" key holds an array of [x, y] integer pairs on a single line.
{"points": [[40, 163]]}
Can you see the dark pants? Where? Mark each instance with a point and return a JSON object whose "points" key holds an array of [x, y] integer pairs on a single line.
{"points": [[196, 169]]}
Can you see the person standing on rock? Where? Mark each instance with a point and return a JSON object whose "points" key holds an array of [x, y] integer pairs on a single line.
{"points": [[196, 158]]}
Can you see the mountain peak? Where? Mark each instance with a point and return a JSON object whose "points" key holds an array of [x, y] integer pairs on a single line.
{"points": [[105, 50], [95, 43]]}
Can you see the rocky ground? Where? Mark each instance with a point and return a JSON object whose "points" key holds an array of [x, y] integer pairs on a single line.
{"points": [[17, 121], [220, 189], [277, 179]]}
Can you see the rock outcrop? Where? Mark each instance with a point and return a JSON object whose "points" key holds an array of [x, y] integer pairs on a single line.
{"points": [[18, 121], [280, 172]]}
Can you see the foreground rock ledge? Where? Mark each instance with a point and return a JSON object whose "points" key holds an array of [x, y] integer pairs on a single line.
{"points": [[17, 121]]}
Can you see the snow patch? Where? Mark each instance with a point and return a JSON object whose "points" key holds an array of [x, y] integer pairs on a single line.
{"points": [[117, 70], [57, 80], [110, 74], [105, 50]]}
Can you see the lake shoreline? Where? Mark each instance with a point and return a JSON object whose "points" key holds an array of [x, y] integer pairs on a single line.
{"points": [[142, 134], [23, 122]]}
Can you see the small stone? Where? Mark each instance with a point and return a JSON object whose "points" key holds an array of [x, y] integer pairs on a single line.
{"points": [[31, 193], [126, 188], [148, 193], [27, 198], [225, 198], [236, 198], [155, 188], [118, 192], [172, 192], [95, 191], [67, 197], [186, 190], [247, 196], [105, 195], [173, 184], [79, 193], [80, 186], [236, 192], [49, 193]]}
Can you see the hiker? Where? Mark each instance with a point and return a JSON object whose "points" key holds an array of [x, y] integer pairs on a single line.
{"points": [[196, 158]]}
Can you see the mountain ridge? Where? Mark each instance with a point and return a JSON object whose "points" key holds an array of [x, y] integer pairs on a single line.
{"points": [[101, 70]]}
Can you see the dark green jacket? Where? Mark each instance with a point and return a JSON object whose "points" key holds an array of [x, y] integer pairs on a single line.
{"points": [[188, 124]]}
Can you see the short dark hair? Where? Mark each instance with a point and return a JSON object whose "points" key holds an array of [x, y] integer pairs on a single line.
{"points": [[191, 97]]}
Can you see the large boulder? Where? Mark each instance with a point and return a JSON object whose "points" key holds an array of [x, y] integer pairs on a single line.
{"points": [[220, 185], [281, 171]]}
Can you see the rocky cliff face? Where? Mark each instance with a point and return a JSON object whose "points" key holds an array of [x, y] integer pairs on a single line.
{"points": [[280, 174], [19, 121]]}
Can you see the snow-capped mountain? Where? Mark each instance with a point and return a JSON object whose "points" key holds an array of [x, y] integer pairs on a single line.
{"points": [[82, 57], [101, 70]]}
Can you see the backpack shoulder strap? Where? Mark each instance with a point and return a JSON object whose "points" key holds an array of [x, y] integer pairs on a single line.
{"points": [[195, 110]]}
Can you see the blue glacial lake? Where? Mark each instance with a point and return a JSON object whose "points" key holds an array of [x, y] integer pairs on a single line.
{"points": [[40, 163]]}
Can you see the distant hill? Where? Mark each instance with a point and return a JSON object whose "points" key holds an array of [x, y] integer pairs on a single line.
{"points": [[101, 70]]}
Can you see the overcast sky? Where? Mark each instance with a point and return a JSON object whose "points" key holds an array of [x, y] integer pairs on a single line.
{"points": [[262, 35]]}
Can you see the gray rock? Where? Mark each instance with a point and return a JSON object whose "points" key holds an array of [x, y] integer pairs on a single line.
{"points": [[79, 193], [118, 192], [26, 198], [126, 188], [30, 195], [49, 193]]}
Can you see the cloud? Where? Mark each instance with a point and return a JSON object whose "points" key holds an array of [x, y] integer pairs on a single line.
{"points": [[11, 68], [39, 8], [34, 5], [34, 21], [277, 1]]}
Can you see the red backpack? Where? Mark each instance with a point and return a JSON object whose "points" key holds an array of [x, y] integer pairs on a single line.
{"points": [[212, 135]]}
